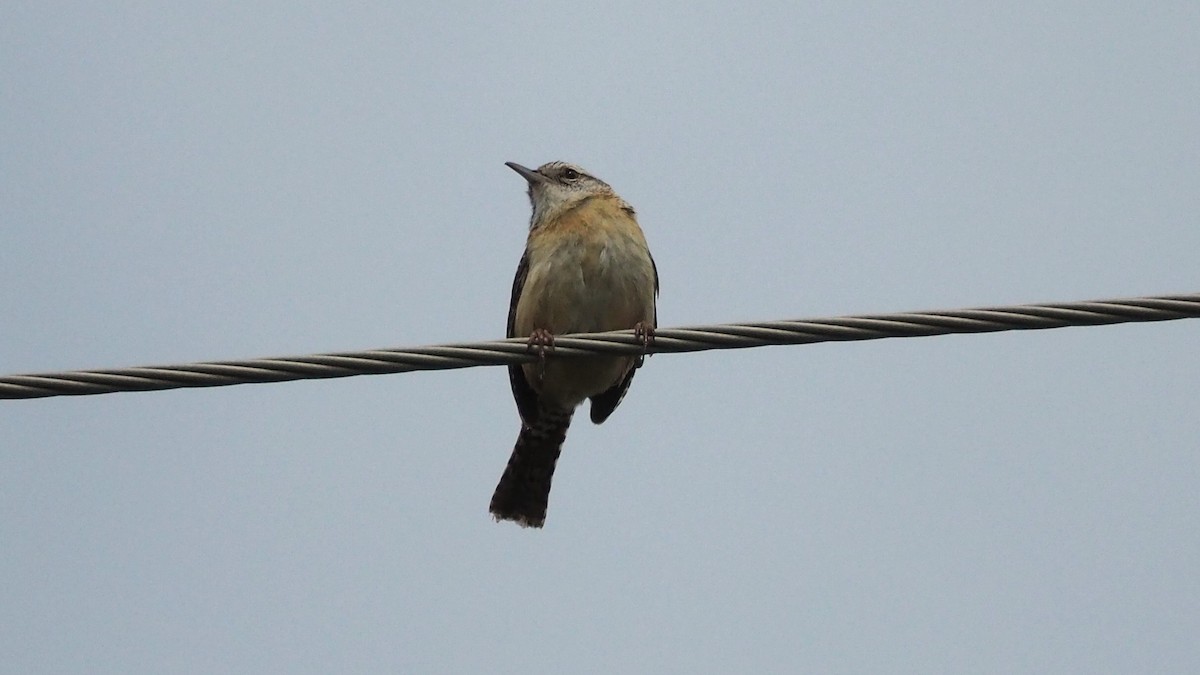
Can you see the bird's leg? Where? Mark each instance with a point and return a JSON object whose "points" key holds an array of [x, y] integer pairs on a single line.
{"points": [[643, 332], [541, 341]]}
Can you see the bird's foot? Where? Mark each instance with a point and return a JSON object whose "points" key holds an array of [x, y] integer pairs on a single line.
{"points": [[541, 341], [643, 332]]}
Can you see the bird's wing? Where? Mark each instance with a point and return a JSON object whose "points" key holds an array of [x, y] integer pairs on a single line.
{"points": [[655, 268], [604, 403], [523, 393]]}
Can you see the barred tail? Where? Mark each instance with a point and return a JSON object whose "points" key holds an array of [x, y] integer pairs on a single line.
{"points": [[524, 489]]}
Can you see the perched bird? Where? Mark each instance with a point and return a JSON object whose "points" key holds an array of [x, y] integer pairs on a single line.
{"points": [[586, 268]]}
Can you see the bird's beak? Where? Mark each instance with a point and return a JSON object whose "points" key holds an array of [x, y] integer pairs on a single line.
{"points": [[529, 174]]}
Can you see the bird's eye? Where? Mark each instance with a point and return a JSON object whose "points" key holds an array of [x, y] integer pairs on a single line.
{"points": [[570, 174]]}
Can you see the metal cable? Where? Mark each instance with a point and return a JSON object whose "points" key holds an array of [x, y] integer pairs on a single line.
{"points": [[672, 340]]}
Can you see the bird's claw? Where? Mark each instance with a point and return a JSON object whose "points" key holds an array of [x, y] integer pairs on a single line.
{"points": [[643, 332], [541, 341]]}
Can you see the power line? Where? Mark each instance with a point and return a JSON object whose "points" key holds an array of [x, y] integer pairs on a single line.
{"points": [[672, 340]]}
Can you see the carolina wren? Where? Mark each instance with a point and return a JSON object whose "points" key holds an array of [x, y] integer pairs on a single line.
{"points": [[586, 268]]}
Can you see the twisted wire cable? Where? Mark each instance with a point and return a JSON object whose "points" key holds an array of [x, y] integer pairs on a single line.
{"points": [[666, 341]]}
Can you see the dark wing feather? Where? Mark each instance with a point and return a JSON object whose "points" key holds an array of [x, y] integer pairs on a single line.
{"points": [[655, 268], [604, 403], [523, 393]]}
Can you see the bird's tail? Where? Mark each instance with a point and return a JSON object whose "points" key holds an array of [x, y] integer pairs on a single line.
{"points": [[524, 489]]}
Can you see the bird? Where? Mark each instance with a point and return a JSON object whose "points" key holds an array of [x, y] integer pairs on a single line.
{"points": [[586, 268]]}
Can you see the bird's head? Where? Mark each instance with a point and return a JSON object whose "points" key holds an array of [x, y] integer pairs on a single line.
{"points": [[556, 187]]}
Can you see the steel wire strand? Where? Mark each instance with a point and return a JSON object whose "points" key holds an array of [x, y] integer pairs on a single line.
{"points": [[666, 340]]}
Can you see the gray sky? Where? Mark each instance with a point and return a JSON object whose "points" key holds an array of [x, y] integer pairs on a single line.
{"points": [[185, 183]]}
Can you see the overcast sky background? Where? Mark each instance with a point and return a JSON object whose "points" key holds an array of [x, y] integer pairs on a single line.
{"points": [[185, 183]]}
